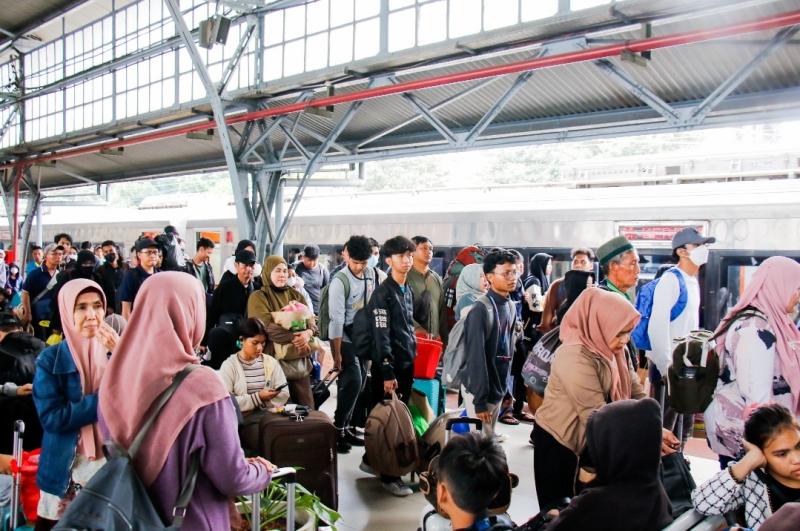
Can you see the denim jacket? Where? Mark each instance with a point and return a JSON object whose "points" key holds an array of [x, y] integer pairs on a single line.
{"points": [[63, 411]]}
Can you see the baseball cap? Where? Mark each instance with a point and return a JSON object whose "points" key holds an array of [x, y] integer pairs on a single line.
{"points": [[52, 247], [688, 236], [245, 257], [9, 320], [145, 243], [311, 251]]}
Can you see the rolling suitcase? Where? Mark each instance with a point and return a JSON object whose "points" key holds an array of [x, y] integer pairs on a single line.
{"points": [[290, 478], [307, 443], [15, 517]]}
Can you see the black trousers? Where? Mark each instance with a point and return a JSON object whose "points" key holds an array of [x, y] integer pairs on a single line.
{"points": [[519, 390], [349, 384], [555, 468], [405, 379]]}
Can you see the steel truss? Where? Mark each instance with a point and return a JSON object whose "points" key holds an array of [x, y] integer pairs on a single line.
{"points": [[258, 168]]}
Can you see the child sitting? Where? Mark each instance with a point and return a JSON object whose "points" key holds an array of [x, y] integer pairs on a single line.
{"points": [[766, 477], [471, 471]]}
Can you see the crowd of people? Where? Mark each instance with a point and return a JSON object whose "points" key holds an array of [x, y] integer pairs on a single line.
{"points": [[600, 429]]}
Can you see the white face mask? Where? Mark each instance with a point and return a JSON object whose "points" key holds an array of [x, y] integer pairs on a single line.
{"points": [[699, 255], [372, 261], [291, 282]]}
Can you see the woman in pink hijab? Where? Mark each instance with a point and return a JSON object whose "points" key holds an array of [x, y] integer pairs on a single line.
{"points": [[164, 330], [759, 353], [591, 368], [65, 388]]}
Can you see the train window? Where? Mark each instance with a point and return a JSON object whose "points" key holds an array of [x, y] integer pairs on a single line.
{"points": [[736, 272]]}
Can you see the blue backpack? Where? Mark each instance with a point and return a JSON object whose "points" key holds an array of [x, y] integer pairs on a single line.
{"points": [[644, 305]]}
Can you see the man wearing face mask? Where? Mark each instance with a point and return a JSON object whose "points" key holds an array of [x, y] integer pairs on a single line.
{"points": [[110, 274], [677, 287]]}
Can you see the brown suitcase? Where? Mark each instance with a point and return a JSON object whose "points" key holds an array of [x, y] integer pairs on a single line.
{"points": [[308, 446]]}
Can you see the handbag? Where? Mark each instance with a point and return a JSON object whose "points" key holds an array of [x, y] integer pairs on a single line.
{"points": [[536, 370], [296, 369], [321, 389], [678, 482]]}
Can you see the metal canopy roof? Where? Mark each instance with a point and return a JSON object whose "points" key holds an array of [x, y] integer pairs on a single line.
{"points": [[574, 101], [631, 67]]}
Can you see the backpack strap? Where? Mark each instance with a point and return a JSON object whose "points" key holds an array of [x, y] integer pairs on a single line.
{"points": [[683, 295], [187, 489], [160, 402], [342, 276]]}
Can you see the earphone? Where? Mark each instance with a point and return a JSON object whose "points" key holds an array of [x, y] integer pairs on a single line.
{"points": [[239, 343]]}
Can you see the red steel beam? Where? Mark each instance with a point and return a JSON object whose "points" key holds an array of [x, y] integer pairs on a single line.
{"points": [[592, 54]]}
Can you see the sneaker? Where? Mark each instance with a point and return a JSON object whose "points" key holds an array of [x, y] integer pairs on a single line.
{"points": [[500, 437], [367, 469], [352, 439], [398, 488]]}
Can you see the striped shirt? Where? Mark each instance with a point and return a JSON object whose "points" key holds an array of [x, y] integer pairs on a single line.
{"points": [[255, 377]]}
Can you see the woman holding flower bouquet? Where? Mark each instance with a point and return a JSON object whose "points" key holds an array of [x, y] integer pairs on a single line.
{"points": [[290, 325]]}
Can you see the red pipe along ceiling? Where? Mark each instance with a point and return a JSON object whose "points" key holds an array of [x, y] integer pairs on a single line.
{"points": [[592, 54]]}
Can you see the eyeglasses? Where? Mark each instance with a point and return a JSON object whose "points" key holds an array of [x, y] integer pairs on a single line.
{"points": [[150, 252], [508, 274]]}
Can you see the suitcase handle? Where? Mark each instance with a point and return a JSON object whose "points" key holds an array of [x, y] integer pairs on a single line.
{"points": [[290, 475], [16, 478], [478, 423]]}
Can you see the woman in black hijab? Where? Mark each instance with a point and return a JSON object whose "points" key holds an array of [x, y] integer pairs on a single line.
{"points": [[626, 494], [540, 271]]}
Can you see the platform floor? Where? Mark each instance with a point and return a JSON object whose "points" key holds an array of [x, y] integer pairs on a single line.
{"points": [[364, 504]]}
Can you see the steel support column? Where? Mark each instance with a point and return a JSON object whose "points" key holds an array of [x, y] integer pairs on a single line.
{"points": [[277, 244], [31, 214], [244, 214]]}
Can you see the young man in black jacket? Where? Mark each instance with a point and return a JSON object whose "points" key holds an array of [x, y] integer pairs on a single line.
{"points": [[392, 308], [228, 307]]}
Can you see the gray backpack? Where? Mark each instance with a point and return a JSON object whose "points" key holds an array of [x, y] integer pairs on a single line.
{"points": [[455, 356], [115, 497]]}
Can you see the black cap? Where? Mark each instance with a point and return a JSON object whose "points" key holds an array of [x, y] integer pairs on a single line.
{"points": [[145, 243], [170, 229], [245, 257], [85, 256], [687, 236], [311, 251]]}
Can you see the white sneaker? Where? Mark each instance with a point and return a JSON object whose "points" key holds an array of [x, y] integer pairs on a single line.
{"points": [[398, 488], [367, 469]]}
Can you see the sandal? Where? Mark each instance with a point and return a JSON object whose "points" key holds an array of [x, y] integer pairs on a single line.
{"points": [[508, 418], [523, 416]]}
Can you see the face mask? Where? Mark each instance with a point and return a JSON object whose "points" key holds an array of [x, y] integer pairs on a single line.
{"points": [[699, 255], [110, 258], [372, 261], [86, 271], [291, 282]]}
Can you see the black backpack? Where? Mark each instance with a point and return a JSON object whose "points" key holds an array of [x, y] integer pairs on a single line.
{"points": [[115, 497], [169, 252]]}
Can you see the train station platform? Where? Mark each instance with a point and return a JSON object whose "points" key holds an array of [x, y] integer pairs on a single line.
{"points": [[364, 505]]}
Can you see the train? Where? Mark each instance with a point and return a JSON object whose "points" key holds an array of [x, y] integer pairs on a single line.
{"points": [[751, 221]]}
